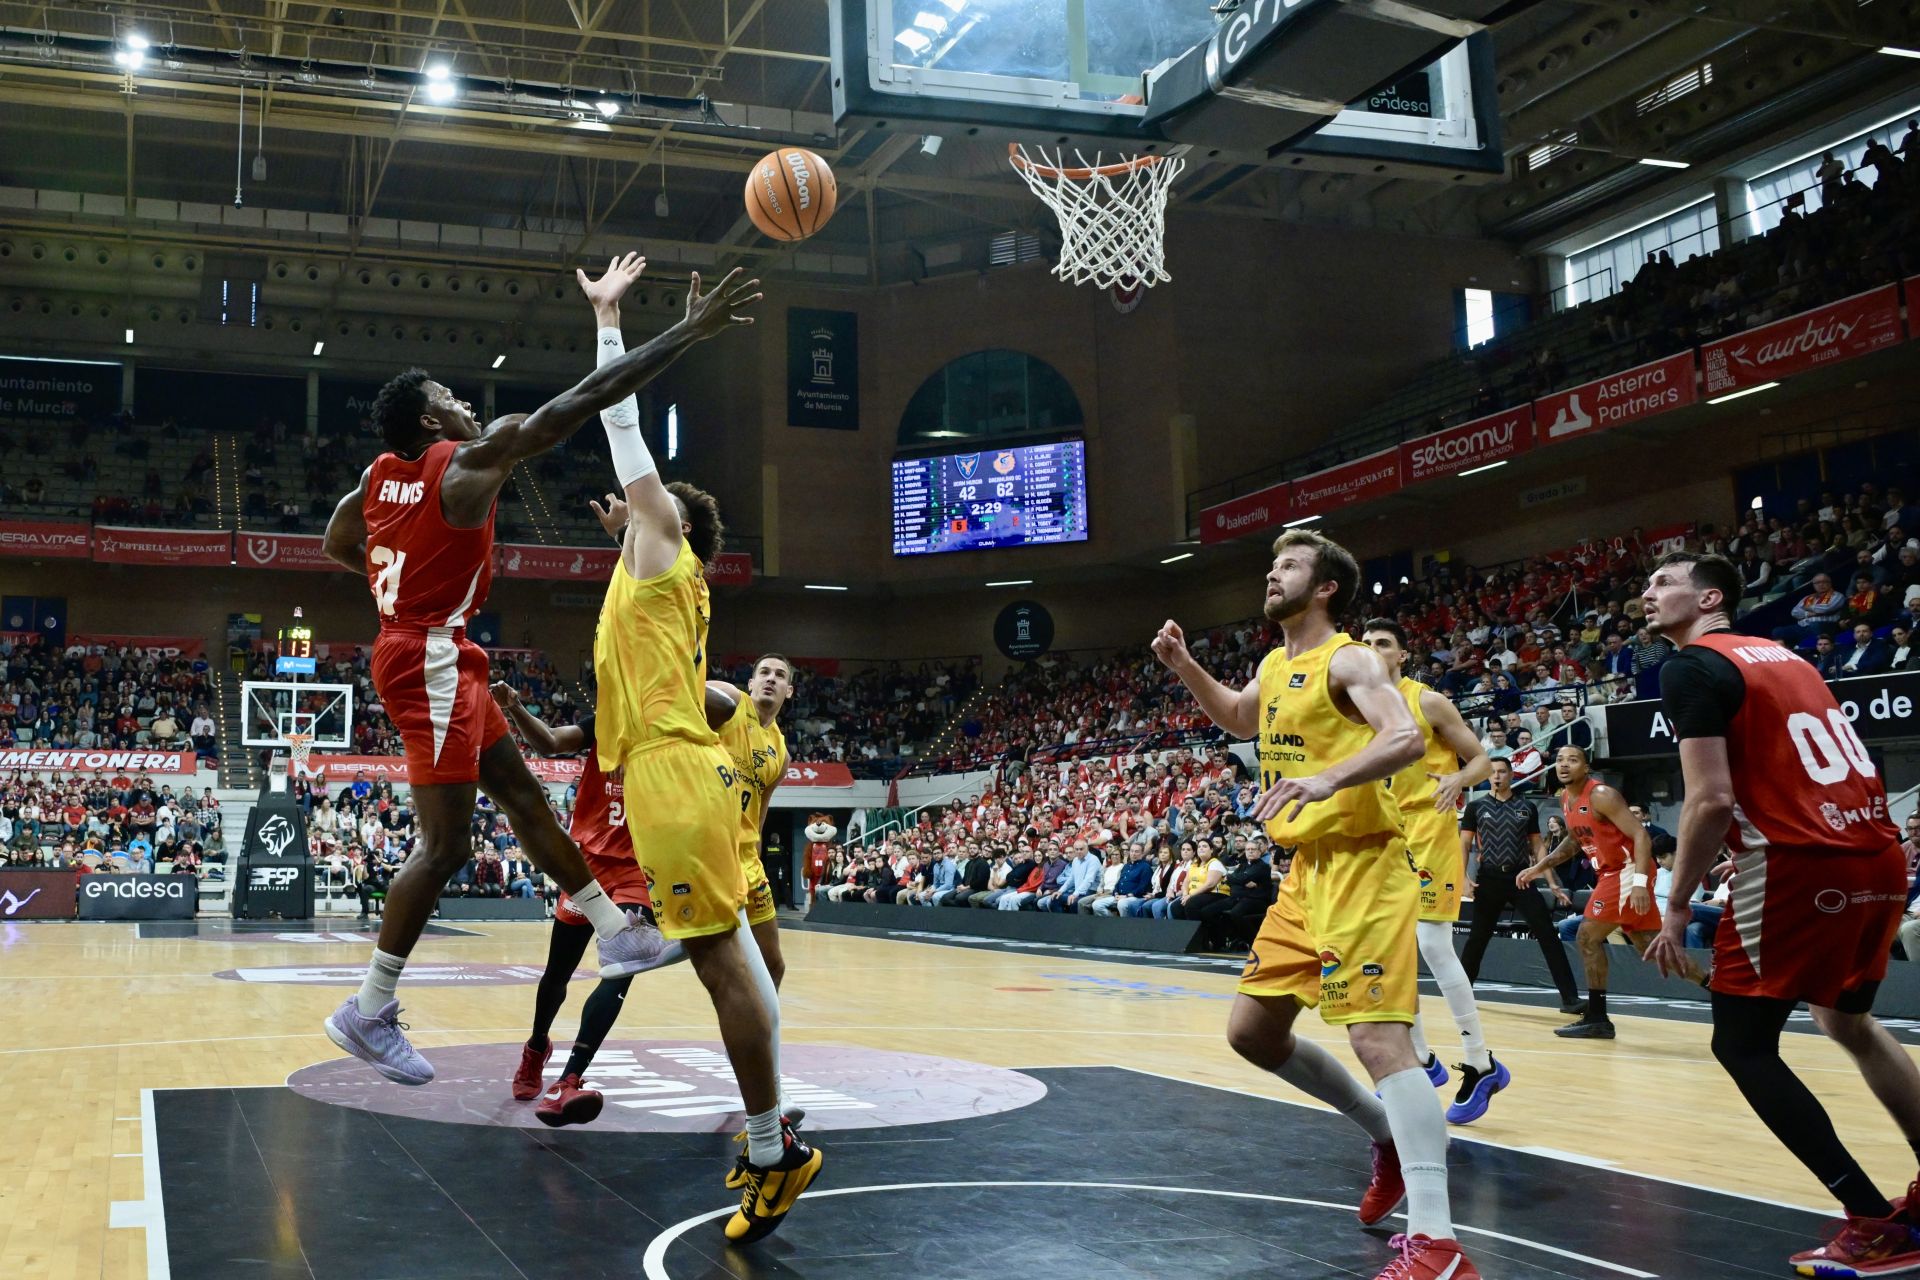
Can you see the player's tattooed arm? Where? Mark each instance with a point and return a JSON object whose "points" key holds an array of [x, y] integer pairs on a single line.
{"points": [[1544, 866], [345, 542]]}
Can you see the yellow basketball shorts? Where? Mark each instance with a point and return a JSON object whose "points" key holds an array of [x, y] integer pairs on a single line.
{"points": [[760, 907], [1433, 841], [1340, 935], [684, 817]]}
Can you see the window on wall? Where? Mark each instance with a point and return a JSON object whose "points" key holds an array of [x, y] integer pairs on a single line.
{"points": [[1767, 195], [1478, 307], [990, 395], [1600, 270]]}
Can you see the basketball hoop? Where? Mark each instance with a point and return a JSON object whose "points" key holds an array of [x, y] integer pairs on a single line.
{"points": [[1113, 217], [299, 746]]}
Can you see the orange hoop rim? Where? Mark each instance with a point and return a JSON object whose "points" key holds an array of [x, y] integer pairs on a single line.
{"points": [[1080, 174]]}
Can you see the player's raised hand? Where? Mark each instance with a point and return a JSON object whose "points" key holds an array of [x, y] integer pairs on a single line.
{"points": [[1170, 646], [505, 694], [611, 287], [722, 306], [613, 516]]}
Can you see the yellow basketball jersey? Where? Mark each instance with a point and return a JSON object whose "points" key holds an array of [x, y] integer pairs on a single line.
{"points": [[650, 661], [1302, 733], [759, 760], [1412, 788]]}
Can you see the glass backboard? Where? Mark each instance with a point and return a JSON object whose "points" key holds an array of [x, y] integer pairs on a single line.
{"points": [[270, 710]]}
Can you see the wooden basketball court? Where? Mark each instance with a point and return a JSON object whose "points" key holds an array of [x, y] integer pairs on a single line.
{"points": [[1063, 1114]]}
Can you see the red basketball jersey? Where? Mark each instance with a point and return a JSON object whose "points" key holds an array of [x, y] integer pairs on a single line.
{"points": [[600, 820], [1609, 848], [423, 571], [1802, 780]]}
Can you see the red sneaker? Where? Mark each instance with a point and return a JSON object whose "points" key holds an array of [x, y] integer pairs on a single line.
{"points": [[1422, 1258], [1386, 1190], [567, 1103], [527, 1081], [1863, 1247]]}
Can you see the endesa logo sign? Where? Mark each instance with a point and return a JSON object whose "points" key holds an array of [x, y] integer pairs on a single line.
{"points": [[1471, 444], [138, 897]]}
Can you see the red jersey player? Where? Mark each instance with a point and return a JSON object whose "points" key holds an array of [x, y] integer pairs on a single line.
{"points": [[1774, 770], [600, 826], [1600, 825], [420, 527]]}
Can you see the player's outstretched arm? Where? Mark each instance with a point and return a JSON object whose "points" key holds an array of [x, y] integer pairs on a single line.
{"points": [[510, 440], [345, 542], [541, 736], [1238, 712]]}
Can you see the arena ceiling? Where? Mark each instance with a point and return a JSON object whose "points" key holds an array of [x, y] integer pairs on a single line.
{"points": [[347, 131]]}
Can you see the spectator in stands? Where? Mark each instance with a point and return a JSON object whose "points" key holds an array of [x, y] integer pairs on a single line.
{"points": [[1205, 881], [1082, 883], [1902, 654], [974, 876], [942, 876], [1825, 658], [1867, 655], [1527, 761], [1817, 614], [1025, 878], [1568, 729], [1132, 884]]}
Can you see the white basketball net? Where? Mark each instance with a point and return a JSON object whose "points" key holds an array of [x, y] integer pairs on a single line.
{"points": [[299, 746], [1113, 215]]}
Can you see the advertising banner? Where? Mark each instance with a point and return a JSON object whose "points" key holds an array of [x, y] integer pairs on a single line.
{"points": [[823, 369], [1362, 480], [138, 897], [731, 569], [519, 560], [1657, 387], [283, 551], [45, 539], [803, 773], [57, 393], [36, 895], [344, 768], [1880, 707], [1838, 331], [115, 544], [1250, 513], [1471, 444], [152, 646], [69, 761]]}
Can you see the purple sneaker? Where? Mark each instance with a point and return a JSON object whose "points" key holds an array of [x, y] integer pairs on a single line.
{"points": [[636, 949], [378, 1041]]}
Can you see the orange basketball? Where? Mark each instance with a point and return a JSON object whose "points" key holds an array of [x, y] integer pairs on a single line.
{"points": [[791, 194]]}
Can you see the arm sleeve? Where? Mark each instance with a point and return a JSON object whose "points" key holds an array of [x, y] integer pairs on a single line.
{"points": [[610, 347], [1702, 692]]}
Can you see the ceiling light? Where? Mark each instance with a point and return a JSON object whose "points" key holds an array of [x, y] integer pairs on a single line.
{"points": [[1302, 520], [607, 107], [1477, 470], [1898, 52], [660, 205], [1665, 164], [129, 337], [499, 360], [915, 42], [441, 91], [1016, 582], [136, 41], [821, 586], [955, 5], [1744, 391], [1757, 504], [930, 22], [319, 346], [438, 71], [131, 59], [1184, 555], [1379, 588]]}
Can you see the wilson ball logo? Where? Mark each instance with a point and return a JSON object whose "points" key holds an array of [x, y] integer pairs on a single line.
{"points": [[802, 177]]}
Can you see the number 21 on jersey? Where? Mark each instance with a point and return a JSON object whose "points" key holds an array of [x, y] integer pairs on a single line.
{"points": [[386, 583]]}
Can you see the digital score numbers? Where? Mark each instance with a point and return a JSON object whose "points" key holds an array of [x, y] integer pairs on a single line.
{"points": [[295, 656], [994, 498]]}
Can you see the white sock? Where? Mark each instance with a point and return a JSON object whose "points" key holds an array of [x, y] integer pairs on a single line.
{"points": [[383, 976], [1420, 1136], [593, 903], [1420, 1047], [1436, 948], [1318, 1074], [764, 1145]]}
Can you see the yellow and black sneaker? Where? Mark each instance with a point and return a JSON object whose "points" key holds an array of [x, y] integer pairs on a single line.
{"points": [[737, 1176], [768, 1193]]}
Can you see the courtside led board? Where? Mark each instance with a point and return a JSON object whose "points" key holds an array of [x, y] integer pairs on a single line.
{"points": [[1011, 497]]}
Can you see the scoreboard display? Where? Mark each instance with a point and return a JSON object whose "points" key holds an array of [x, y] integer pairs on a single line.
{"points": [[995, 498]]}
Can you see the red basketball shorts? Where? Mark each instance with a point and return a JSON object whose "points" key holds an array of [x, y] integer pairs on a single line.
{"points": [[1608, 905], [434, 689], [1810, 926]]}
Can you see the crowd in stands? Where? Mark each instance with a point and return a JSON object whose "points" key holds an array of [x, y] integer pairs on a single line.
{"points": [[876, 720], [87, 698], [100, 822]]}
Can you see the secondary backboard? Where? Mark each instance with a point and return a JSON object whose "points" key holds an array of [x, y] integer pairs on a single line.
{"points": [[1408, 83], [270, 710]]}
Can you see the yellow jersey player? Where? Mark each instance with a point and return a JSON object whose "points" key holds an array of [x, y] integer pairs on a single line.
{"points": [[1428, 792], [650, 660], [1331, 728]]}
